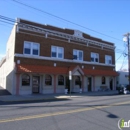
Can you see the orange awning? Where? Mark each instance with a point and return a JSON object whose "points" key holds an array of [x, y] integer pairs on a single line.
{"points": [[41, 69], [62, 70], [100, 72]]}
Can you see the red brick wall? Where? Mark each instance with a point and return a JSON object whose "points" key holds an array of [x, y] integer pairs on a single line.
{"points": [[46, 43], [45, 47], [68, 31]]}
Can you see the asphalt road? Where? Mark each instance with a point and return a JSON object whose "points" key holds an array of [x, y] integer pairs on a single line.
{"points": [[84, 113]]}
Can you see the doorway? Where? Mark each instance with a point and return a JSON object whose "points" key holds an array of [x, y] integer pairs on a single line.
{"points": [[111, 84], [68, 83], [35, 84], [89, 84]]}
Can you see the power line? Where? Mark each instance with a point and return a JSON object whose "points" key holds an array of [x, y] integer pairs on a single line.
{"points": [[7, 18], [34, 8], [6, 22], [122, 64], [12, 21], [121, 54], [119, 57], [124, 54]]}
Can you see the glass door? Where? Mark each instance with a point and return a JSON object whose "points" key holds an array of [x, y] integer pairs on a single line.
{"points": [[35, 84]]}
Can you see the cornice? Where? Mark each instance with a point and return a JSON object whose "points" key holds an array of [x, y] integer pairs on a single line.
{"points": [[69, 37]]}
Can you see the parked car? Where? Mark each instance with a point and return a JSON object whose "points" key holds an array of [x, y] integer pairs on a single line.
{"points": [[123, 89]]}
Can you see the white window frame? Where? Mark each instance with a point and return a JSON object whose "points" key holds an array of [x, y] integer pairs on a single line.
{"points": [[108, 59], [94, 56], [31, 48], [57, 52], [77, 52]]}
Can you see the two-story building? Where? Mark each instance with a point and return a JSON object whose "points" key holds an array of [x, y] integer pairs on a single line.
{"points": [[39, 58]]}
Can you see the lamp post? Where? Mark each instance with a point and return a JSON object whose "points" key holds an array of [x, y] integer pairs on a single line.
{"points": [[126, 39]]}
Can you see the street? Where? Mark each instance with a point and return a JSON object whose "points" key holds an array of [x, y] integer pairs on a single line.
{"points": [[84, 113]]}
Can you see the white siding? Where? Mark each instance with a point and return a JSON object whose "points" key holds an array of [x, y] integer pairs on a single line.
{"points": [[85, 84], [97, 83], [123, 78], [3, 76], [7, 69], [108, 82], [60, 89], [48, 89], [25, 90], [10, 86]]}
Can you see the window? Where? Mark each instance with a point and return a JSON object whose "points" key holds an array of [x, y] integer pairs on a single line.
{"points": [[53, 51], [31, 48], [103, 80], [48, 80], [77, 80], [60, 80], [35, 49], [108, 59], [27, 48], [77, 55], [94, 57], [25, 80], [57, 52]]}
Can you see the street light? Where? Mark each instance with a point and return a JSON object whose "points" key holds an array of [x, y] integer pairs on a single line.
{"points": [[126, 39]]}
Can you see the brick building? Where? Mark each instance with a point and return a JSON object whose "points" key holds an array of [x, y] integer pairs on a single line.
{"points": [[39, 58]]}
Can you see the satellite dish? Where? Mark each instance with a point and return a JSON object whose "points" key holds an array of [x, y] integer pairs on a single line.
{"points": [[125, 39]]}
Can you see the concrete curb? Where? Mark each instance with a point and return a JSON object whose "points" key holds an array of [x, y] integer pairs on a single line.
{"points": [[34, 98], [38, 99]]}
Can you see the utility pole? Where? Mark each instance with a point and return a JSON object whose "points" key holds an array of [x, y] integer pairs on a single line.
{"points": [[126, 39]]}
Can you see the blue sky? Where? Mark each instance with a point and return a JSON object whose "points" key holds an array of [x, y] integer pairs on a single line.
{"points": [[109, 17]]}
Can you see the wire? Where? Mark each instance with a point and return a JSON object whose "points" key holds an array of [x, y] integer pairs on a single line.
{"points": [[16, 1], [121, 54], [122, 64], [6, 22], [13, 21], [119, 57]]}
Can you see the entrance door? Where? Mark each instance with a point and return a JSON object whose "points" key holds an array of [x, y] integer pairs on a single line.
{"points": [[35, 84], [89, 84], [68, 83], [111, 84]]}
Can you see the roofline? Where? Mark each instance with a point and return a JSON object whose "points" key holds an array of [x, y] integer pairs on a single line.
{"points": [[18, 20]]}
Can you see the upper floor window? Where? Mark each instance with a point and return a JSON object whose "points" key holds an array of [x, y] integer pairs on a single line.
{"points": [[94, 57], [108, 59], [31, 48], [78, 55], [57, 52]]}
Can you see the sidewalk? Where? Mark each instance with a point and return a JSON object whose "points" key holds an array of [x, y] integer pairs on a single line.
{"points": [[44, 97]]}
